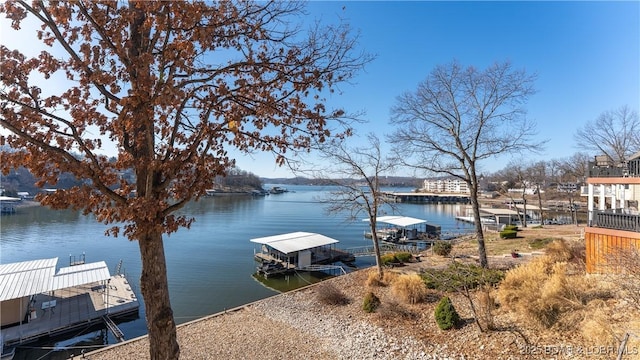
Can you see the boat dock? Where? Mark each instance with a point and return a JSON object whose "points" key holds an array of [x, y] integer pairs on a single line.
{"points": [[285, 253], [74, 308], [37, 301], [427, 198]]}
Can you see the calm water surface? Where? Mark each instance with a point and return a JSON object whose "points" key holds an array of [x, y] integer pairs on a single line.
{"points": [[210, 265]]}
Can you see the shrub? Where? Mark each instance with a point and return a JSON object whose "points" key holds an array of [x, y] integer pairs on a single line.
{"points": [[370, 303], [442, 248], [508, 234], [403, 257], [537, 244], [458, 276], [446, 315], [387, 259], [410, 288], [511, 227], [328, 294], [393, 310]]}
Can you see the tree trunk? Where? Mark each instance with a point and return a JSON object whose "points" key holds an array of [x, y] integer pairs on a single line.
{"points": [[482, 252], [540, 207], [163, 343], [376, 249]]}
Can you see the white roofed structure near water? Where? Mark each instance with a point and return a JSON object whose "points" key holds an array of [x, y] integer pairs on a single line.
{"points": [[402, 221], [33, 277], [295, 241]]}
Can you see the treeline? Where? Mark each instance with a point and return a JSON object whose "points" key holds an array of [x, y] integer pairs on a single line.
{"points": [[21, 180]]}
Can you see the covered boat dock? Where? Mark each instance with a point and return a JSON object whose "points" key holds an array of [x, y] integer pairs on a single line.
{"points": [[404, 228], [284, 253], [35, 301]]}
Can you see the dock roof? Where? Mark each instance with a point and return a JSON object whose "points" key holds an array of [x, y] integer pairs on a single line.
{"points": [[493, 211], [33, 277], [26, 278], [402, 221], [295, 241], [80, 274]]}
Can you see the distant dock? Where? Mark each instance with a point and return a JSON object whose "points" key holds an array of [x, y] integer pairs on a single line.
{"points": [[427, 198]]}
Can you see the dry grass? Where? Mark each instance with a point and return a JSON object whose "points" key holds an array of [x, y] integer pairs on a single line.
{"points": [[536, 291], [410, 288], [328, 294], [373, 278]]}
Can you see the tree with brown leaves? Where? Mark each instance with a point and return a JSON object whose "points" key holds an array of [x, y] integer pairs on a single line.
{"points": [[172, 86]]}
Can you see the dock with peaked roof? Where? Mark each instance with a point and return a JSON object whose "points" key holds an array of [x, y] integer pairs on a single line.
{"points": [[36, 301]]}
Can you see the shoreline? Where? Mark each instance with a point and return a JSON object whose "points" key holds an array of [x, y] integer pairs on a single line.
{"points": [[296, 324]]}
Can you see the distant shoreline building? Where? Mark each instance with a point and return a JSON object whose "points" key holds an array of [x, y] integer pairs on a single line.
{"points": [[447, 185]]}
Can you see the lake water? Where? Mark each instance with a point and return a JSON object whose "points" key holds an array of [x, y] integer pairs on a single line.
{"points": [[210, 265]]}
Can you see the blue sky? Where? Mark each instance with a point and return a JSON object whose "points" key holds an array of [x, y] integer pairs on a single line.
{"points": [[586, 56]]}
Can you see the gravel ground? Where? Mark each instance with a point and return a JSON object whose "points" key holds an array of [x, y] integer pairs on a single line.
{"points": [[296, 325], [293, 325]]}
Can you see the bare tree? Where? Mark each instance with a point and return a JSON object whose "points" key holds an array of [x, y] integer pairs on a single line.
{"points": [[459, 117], [357, 173], [538, 175], [575, 167], [173, 86], [615, 133]]}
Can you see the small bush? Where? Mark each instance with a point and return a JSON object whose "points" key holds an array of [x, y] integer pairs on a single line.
{"points": [[370, 303], [508, 234], [446, 315], [410, 288], [442, 248], [511, 227], [328, 294], [538, 244], [403, 257], [393, 311], [388, 259]]}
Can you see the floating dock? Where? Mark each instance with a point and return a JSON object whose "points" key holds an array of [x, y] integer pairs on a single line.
{"points": [[72, 309], [37, 302], [427, 198]]}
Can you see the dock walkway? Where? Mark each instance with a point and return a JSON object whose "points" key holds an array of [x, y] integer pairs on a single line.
{"points": [[73, 308]]}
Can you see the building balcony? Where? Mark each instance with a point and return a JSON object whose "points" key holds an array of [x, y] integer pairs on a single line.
{"points": [[616, 219], [630, 168]]}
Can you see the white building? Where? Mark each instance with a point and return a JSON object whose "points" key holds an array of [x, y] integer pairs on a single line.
{"points": [[449, 185]]}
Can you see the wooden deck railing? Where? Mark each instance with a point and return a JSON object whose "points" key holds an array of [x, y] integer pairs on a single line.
{"points": [[616, 221]]}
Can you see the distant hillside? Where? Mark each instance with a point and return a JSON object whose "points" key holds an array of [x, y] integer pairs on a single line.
{"points": [[387, 181]]}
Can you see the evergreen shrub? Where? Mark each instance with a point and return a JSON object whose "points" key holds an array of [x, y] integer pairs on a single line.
{"points": [[371, 302], [446, 315]]}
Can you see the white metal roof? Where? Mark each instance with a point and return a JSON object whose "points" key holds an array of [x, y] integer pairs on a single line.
{"points": [[295, 241], [402, 221], [530, 207], [8, 198], [28, 278], [499, 211], [80, 275]]}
